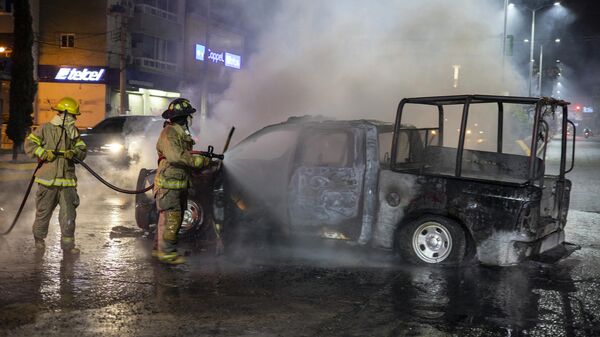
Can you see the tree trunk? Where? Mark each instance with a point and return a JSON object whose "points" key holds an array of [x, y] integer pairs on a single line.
{"points": [[15, 152]]}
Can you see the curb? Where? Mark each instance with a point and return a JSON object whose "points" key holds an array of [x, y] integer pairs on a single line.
{"points": [[7, 177], [17, 166]]}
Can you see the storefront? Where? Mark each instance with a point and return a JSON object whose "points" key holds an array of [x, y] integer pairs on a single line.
{"points": [[88, 85], [147, 93]]}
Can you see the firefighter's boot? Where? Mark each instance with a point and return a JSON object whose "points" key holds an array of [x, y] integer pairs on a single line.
{"points": [[71, 252], [68, 246], [171, 258], [168, 231]]}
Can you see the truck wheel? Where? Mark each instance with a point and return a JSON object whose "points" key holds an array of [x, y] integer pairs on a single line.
{"points": [[145, 208], [193, 219], [432, 240]]}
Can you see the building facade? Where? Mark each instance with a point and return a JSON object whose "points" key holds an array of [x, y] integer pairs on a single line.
{"points": [[83, 45], [72, 44], [6, 45], [154, 54]]}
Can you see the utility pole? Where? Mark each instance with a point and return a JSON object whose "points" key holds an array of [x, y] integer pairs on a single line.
{"points": [[531, 47], [120, 11], [123, 66], [204, 94], [541, 68], [504, 36]]}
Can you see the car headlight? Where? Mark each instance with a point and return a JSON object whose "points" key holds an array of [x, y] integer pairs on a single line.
{"points": [[113, 147]]}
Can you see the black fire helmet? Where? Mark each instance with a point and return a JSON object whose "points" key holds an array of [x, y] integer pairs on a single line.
{"points": [[179, 107]]}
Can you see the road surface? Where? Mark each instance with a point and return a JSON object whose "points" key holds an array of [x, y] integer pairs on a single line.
{"points": [[116, 289]]}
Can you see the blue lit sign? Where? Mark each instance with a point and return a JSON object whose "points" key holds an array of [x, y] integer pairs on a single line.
{"points": [[200, 49], [233, 61], [227, 59]]}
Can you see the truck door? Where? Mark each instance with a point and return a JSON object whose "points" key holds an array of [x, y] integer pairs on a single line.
{"points": [[327, 180]]}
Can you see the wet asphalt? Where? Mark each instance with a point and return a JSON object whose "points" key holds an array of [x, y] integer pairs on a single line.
{"points": [[115, 288]]}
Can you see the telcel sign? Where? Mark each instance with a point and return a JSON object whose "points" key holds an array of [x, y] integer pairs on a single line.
{"points": [[77, 75], [228, 59]]}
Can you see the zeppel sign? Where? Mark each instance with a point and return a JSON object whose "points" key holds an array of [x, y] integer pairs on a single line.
{"points": [[80, 75]]}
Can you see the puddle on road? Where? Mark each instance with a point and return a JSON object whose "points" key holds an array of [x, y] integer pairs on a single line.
{"points": [[513, 299], [125, 232]]}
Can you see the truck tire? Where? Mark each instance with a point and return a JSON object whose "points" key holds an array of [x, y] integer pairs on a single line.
{"points": [[432, 240], [145, 210]]}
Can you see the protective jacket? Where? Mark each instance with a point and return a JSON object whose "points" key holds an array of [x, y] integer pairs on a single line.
{"points": [[60, 172], [176, 161]]}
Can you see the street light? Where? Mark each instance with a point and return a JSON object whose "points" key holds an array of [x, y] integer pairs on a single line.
{"points": [[541, 65], [532, 39]]}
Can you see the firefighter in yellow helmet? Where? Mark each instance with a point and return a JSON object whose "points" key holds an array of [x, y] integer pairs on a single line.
{"points": [[55, 144], [173, 177]]}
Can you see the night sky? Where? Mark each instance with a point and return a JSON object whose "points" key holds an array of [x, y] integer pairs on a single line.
{"points": [[578, 27], [579, 50]]}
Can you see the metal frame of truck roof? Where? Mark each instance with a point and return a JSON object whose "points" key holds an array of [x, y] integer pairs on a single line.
{"points": [[467, 100]]}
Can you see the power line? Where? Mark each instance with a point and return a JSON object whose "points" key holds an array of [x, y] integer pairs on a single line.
{"points": [[78, 48], [81, 36]]}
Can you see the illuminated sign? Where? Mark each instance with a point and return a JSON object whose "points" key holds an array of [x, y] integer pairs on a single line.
{"points": [[200, 50], [233, 61], [76, 75], [588, 109], [215, 57], [228, 59]]}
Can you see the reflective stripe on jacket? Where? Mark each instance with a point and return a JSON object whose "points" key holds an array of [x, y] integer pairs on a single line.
{"points": [[60, 172], [174, 145]]}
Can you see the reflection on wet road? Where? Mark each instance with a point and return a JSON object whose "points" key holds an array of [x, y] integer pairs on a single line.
{"points": [[116, 289]]}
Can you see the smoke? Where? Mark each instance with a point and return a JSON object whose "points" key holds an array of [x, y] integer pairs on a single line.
{"points": [[350, 59], [357, 59]]}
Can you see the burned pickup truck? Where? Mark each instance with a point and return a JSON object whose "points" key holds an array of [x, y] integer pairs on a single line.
{"points": [[455, 178]]}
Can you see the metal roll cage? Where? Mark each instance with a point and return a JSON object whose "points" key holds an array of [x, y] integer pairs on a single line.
{"points": [[467, 100]]}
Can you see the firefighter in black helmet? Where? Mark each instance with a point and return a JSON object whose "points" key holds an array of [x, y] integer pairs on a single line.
{"points": [[173, 177]]}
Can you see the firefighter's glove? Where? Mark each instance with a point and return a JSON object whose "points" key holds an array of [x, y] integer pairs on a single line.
{"points": [[69, 154], [199, 161], [48, 156]]}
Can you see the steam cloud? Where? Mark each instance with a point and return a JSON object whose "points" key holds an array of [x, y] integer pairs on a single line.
{"points": [[356, 59]]}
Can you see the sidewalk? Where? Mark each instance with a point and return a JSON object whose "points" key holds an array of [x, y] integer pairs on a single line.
{"points": [[10, 170]]}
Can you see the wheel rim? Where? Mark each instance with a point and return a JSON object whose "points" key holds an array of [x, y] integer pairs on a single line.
{"points": [[432, 242], [192, 217]]}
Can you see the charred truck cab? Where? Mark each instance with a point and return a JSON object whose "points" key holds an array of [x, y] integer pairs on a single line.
{"points": [[479, 186]]}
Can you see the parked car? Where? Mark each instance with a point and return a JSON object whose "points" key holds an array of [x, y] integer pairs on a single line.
{"points": [[120, 138], [396, 187]]}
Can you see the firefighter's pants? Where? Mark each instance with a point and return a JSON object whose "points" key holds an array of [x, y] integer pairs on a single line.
{"points": [[171, 204], [46, 200]]}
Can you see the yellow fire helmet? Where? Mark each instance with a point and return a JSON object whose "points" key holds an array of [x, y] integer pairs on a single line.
{"points": [[68, 105]]}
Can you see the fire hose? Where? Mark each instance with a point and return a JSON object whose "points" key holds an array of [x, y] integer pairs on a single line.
{"points": [[24, 200], [75, 160], [210, 154]]}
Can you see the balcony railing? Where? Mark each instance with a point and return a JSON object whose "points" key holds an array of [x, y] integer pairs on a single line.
{"points": [[147, 9], [156, 65]]}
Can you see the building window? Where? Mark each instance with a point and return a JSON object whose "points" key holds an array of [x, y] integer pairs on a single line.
{"points": [[67, 40], [6, 6], [166, 5], [158, 49]]}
